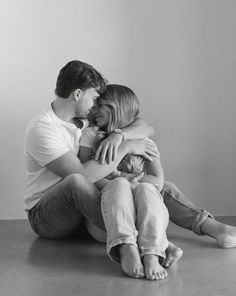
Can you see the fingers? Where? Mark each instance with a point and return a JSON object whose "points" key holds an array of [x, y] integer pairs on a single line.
{"points": [[145, 155], [114, 153], [109, 154], [97, 155], [105, 152]]}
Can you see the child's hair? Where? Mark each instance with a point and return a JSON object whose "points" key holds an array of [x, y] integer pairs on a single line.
{"points": [[122, 105]]}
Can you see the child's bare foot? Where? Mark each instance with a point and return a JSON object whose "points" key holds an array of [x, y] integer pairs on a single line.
{"points": [[153, 269], [173, 254], [130, 261]]}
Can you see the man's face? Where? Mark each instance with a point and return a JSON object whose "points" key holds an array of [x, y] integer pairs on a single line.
{"points": [[86, 102]]}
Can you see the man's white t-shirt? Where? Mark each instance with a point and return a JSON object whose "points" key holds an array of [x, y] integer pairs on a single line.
{"points": [[47, 138]]}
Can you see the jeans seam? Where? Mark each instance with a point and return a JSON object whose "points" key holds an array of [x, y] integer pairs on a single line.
{"points": [[169, 194], [196, 227]]}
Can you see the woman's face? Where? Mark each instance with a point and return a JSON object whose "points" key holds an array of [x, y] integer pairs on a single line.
{"points": [[101, 116]]}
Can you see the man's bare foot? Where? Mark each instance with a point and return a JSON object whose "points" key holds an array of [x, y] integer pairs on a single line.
{"points": [[153, 269], [173, 254], [130, 261], [225, 235]]}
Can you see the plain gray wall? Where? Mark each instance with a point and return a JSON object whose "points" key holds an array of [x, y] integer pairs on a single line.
{"points": [[178, 56]]}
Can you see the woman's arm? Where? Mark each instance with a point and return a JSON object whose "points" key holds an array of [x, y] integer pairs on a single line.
{"points": [[138, 129], [154, 173]]}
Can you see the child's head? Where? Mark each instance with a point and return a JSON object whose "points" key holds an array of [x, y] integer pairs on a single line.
{"points": [[116, 108]]}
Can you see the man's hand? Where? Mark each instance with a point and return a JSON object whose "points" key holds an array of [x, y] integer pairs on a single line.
{"points": [[107, 150], [144, 148]]}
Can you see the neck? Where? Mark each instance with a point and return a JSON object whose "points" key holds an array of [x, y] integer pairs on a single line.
{"points": [[63, 109]]}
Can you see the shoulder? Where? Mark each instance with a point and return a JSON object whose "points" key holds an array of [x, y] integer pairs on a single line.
{"points": [[42, 130]]}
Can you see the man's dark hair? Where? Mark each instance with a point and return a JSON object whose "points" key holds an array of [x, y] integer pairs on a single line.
{"points": [[77, 74]]}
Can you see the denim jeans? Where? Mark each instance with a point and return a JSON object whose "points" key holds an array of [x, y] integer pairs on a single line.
{"points": [[136, 216], [59, 212]]}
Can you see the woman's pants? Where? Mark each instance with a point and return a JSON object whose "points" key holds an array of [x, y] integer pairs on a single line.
{"points": [[138, 217]]}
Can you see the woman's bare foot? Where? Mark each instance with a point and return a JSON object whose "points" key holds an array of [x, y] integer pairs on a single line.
{"points": [[130, 261], [153, 269], [173, 254], [225, 235]]}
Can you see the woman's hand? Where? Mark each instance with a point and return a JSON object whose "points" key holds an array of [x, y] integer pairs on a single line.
{"points": [[107, 150], [145, 148]]}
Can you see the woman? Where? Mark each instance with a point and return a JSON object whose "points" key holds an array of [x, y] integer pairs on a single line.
{"points": [[134, 213]]}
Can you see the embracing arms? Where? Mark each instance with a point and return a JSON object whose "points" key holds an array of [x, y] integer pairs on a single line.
{"points": [[69, 163], [154, 173], [107, 149], [47, 144]]}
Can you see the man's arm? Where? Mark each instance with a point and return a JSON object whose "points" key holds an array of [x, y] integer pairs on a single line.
{"points": [[86, 154], [154, 173], [138, 129], [68, 163]]}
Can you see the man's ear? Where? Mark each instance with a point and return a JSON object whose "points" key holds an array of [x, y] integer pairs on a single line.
{"points": [[77, 94]]}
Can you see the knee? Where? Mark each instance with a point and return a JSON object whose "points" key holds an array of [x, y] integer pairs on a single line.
{"points": [[120, 181], [143, 187], [76, 180], [80, 183], [169, 186]]}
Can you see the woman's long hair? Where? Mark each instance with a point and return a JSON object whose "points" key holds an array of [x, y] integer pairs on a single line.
{"points": [[122, 106]]}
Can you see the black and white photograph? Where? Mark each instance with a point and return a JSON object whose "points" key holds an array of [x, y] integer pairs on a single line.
{"points": [[118, 148]]}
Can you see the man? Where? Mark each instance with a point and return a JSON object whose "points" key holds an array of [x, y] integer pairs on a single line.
{"points": [[61, 190]]}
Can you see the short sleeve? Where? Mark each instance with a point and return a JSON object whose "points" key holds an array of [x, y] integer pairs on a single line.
{"points": [[45, 144], [87, 137]]}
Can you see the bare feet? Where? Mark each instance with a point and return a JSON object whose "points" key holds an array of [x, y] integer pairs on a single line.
{"points": [[130, 261], [153, 269], [173, 254], [225, 235]]}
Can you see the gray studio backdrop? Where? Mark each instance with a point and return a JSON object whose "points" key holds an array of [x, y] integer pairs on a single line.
{"points": [[178, 56]]}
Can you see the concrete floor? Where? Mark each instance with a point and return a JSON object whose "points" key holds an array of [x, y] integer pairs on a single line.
{"points": [[33, 266]]}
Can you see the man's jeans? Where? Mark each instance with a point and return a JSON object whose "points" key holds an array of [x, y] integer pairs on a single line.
{"points": [[59, 213]]}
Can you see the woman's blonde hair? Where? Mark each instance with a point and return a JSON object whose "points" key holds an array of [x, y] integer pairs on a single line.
{"points": [[122, 105]]}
